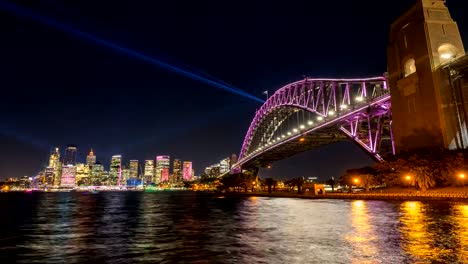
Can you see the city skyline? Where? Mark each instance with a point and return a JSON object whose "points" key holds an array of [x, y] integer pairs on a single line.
{"points": [[82, 92]]}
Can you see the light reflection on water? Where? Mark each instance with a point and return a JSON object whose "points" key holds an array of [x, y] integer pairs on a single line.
{"points": [[199, 228]]}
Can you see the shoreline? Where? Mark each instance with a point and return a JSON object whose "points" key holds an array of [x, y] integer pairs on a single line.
{"points": [[360, 196]]}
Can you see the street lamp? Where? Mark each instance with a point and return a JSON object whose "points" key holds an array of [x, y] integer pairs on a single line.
{"points": [[408, 178], [462, 177]]}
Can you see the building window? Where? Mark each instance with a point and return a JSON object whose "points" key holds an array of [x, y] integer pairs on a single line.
{"points": [[410, 67], [447, 52]]}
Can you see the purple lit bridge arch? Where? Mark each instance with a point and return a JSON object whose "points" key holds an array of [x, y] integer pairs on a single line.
{"points": [[314, 112]]}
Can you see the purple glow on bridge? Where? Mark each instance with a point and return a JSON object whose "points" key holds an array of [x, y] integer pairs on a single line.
{"points": [[364, 105]]}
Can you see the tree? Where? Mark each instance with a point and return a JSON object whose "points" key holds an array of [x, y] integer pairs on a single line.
{"points": [[332, 183], [421, 171], [296, 182], [368, 180], [269, 182]]}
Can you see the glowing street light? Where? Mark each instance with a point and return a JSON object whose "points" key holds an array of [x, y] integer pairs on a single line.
{"points": [[295, 130], [356, 180], [408, 177], [359, 98], [301, 139], [319, 118], [343, 106], [283, 136], [331, 112], [301, 126], [289, 133], [462, 177], [310, 123]]}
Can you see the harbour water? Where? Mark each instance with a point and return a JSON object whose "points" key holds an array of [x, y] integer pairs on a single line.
{"points": [[187, 227]]}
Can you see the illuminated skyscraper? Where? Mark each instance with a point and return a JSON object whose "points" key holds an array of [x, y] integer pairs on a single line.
{"points": [[115, 172], [82, 174], [149, 171], [162, 162], [68, 176], [224, 165], [177, 170], [133, 167], [70, 155], [188, 171], [165, 174], [96, 174], [91, 159], [125, 176], [54, 163]]}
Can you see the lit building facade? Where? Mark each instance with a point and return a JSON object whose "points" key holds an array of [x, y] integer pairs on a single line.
{"points": [[188, 171], [70, 155], [162, 162], [54, 163], [115, 171], [149, 171], [82, 174], [133, 167], [177, 170], [97, 174], [224, 165], [91, 159], [165, 174], [125, 176], [68, 176]]}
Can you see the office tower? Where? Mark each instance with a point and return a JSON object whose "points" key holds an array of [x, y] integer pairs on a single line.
{"points": [[187, 170], [177, 170], [83, 174], [49, 176], [149, 171], [54, 163], [162, 162], [133, 167], [224, 165], [91, 158], [125, 176], [96, 174], [70, 155], [115, 171], [68, 176], [233, 160], [165, 174]]}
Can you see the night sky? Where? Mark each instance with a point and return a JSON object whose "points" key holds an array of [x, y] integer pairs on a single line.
{"points": [[59, 87]]}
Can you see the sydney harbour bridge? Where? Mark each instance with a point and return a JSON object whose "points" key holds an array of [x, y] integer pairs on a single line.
{"points": [[420, 102]]}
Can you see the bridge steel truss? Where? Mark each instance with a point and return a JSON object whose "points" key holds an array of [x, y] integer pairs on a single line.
{"points": [[356, 109]]}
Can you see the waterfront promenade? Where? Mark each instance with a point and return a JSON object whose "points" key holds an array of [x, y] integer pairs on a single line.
{"points": [[431, 195]]}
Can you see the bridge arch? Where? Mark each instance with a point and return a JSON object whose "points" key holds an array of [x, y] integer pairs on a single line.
{"points": [[331, 109]]}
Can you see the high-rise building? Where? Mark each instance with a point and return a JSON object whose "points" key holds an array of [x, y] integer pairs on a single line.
{"points": [[54, 163], [188, 172], [233, 160], [149, 171], [177, 170], [49, 176], [161, 163], [125, 176], [68, 176], [133, 167], [96, 174], [70, 155], [224, 165], [91, 158], [83, 174], [115, 171], [165, 174]]}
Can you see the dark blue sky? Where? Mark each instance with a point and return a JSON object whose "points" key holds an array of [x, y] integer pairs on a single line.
{"points": [[60, 88]]}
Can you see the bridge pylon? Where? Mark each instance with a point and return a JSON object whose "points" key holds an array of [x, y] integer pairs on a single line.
{"points": [[426, 110]]}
